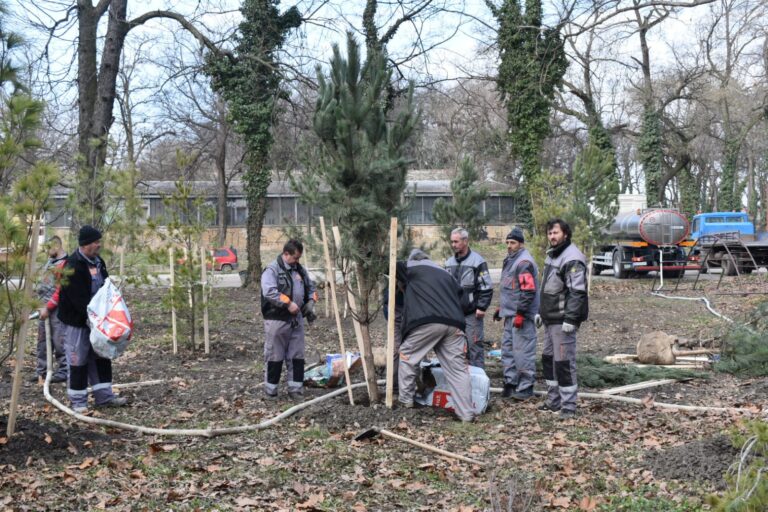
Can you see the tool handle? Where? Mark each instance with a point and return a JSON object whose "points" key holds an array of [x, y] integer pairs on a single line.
{"points": [[430, 447]]}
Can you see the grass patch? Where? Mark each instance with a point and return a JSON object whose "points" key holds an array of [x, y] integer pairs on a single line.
{"points": [[645, 504]]}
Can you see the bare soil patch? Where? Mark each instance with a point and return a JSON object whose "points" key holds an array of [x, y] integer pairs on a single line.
{"points": [[310, 461]]}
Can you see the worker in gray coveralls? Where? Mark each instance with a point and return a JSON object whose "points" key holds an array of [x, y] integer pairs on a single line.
{"points": [[471, 271], [48, 292], [564, 306], [288, 297], [519, 306], [433, 319]]}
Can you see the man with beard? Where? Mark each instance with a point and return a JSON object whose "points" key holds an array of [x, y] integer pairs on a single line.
{"points": [[564, 306], [519, 306]]}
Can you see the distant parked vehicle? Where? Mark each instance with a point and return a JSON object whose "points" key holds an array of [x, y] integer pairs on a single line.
{"points": [[225, 259], [728, 240], [643, 241]]}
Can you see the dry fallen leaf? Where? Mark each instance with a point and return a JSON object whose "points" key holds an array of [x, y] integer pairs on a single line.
{"points": [[312, 501], [87, 463], [562, 502], [246, 502], [588, 504], [48, 438]]}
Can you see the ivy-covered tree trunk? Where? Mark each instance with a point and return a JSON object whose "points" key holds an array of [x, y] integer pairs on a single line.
{"points": [[689, 192], [730, 192], [532, 66], [651, 156], [250, 82]]}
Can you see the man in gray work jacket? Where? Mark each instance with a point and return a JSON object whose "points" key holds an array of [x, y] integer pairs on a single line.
{"points": [[519, 306], [471, 271], [288, 297], [564, 306]]}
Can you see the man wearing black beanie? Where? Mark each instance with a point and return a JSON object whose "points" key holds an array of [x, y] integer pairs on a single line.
{"points": [[518, 307], [85, 275]]}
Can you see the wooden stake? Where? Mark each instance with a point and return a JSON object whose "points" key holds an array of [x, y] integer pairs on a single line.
{"points": [[25, 311], [365, 348], [122, 265], [173, 307], [204, 286], [331, 271], [326, 301], [391, 312], [637, 386]]}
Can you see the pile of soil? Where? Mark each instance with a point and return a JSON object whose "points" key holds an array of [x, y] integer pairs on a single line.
{"points": [[704, 460]]}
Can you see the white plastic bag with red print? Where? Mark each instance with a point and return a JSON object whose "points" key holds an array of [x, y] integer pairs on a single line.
{"points": [[110, 321]]}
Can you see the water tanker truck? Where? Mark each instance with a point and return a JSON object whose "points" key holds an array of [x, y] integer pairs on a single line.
{"points": [[643, 241]]}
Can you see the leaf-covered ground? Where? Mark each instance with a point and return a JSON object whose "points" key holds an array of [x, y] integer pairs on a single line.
{"points": [[613, 456]]}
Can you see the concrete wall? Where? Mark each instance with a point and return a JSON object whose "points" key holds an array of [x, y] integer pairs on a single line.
{"points": [[273, 237]]}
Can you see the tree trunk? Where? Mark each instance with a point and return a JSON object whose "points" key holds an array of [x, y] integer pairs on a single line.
{"points": [[223, 185], [256, 184], [96, 97]]}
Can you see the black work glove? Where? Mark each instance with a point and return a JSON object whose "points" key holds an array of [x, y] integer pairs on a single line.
{"points": [[497, 315], [308, 311]]}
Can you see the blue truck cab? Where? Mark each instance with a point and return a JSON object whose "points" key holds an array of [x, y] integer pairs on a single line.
{"points": [[721, 222]]}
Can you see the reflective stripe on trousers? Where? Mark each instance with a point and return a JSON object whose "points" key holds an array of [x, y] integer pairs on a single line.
{"points": [[559, 358], [518, 354]]}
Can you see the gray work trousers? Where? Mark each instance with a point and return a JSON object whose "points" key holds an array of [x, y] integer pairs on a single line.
{"points": [[57, 344], [449, 345], [559, 362], [398, 342], [475, 341], [518, 354], [86, 367], [283, 343]]}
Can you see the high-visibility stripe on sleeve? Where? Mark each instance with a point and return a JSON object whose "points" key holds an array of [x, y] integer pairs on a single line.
{"points": [[526, 281], [285, 299]]}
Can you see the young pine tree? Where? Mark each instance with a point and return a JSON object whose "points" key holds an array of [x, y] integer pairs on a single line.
{"points": [[359, 178], [464, 208]]}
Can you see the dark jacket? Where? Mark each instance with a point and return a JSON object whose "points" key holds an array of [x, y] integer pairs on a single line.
{"points": [[280, 285], [564, 286], [471, 272], [75, 293], [432, 296]]}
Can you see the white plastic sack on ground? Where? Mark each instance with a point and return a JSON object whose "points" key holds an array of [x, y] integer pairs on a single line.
{"points": [[440, 396], [110, 321]]}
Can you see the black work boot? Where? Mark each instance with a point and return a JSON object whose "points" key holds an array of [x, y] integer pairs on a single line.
{"points": [[509, 390]]}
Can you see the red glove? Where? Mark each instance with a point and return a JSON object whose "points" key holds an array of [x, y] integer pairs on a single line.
{"points": [[517, 323]]}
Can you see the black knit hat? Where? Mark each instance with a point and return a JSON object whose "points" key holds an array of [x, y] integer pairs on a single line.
{"points": [[516, 234], [88, 235]]}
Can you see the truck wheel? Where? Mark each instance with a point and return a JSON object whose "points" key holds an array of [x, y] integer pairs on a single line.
{"points": [[596, 269], [618, 265], [729, 267]]}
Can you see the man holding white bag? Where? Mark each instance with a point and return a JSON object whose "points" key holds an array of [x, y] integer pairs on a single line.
{"points": [[85, 273]]}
